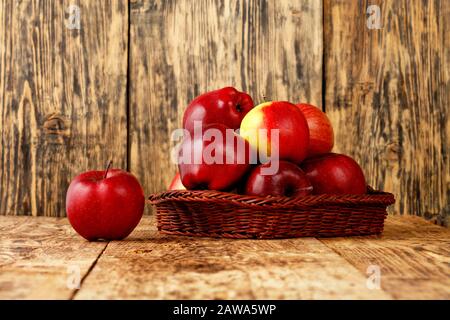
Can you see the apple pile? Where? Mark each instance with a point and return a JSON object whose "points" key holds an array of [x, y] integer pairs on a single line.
{"points": [[294, 139]]}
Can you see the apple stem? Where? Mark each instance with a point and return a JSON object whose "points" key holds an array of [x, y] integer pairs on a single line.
{"points": [[107, 169]]}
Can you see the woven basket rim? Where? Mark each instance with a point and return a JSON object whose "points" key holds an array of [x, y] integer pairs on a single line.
{"points": [[373, 197]]}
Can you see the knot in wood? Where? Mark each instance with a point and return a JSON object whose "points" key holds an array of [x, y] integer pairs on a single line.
{"points": [[56, 124]]}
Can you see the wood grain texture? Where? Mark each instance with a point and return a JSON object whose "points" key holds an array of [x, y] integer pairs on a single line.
{"points": [[38, 257], [35, 253], [62, 99], [180, 49], [412, 256], [64, 106], [148, 265], [387, 93]]}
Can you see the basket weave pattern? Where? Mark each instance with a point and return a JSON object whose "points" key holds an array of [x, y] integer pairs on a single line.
{"points": [[227, 215]]}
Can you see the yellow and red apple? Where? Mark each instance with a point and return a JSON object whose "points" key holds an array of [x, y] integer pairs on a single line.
{"points": [[292, 141]]}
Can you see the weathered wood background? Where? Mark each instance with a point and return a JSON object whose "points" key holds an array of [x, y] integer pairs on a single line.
{"points": [[116, 88]]}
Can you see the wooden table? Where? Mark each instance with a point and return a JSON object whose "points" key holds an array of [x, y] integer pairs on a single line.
{"points": [[44, 258]]}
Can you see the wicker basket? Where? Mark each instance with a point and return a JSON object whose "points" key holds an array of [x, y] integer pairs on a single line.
{"points": [[228, 215]]}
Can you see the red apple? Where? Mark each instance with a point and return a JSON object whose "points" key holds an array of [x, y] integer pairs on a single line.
{"points": [[212, 160], [288, 181], [176, 183], [321, 136], [334, 173], [104, 206], [293, 132], [226, 106]]}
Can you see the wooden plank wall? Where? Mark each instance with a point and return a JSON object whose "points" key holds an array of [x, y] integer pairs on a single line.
{"points": [[62, 98], [387, 93], [180, 49], [116, 88]]}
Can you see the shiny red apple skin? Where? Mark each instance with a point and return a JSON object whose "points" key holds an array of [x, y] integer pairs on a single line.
{"points": [[226, 106], [108, 208], [321, 135], [289, 181], [176, 183], [335, 173], [291, 123], [214, 176]]}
